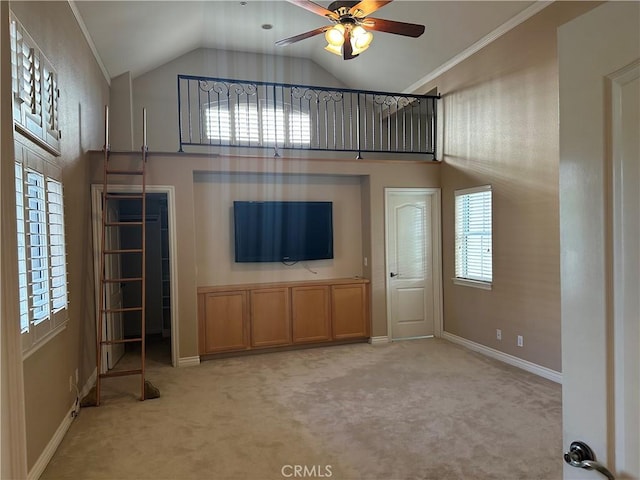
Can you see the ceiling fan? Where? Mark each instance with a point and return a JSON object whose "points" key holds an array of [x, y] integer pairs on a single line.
{"points": [[349, 35]]}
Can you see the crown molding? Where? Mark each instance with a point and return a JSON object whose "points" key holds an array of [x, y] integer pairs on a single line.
{"points": [[87, 36], [509, 25]]}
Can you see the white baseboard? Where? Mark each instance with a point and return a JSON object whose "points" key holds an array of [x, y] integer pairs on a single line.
{"points": [[379, 340], [505, 357], [47, 454], [188, 361]]}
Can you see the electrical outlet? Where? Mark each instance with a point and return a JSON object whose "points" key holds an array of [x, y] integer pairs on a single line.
{"points": [[498, 334], [77, 379], [520, 341], [366, 261]]}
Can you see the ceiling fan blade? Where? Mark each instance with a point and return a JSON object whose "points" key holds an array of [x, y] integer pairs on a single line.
{"points": [[391, 26], [302, 36], [367, 7], [347, 48], [315, 8]]}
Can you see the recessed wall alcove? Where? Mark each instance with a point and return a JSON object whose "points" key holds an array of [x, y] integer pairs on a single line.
{"points": [[214, 194]]}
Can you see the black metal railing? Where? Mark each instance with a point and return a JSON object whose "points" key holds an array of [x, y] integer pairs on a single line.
{"points": [[238, 113]]}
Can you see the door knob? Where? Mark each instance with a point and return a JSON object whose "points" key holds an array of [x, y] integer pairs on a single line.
{"points": [[580, 455], [393, 274]]}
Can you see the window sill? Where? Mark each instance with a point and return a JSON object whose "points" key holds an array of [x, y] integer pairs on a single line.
{"points": [[43, 341], [465, 282]]}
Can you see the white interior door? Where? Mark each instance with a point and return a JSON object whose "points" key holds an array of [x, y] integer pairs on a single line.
{"points": [[412, 298], [599, 62]]}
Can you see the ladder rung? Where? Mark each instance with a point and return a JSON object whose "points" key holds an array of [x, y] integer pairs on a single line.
{"points": [[122, 280], [125, 172], [121, 373], [124, 309], [124, 250], [121, 224], [128, 196], [124, 340]]}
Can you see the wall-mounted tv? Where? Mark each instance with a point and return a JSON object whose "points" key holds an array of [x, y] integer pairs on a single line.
{"points": [[282, 231]]}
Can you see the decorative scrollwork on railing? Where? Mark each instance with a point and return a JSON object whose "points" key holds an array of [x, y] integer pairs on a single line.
{"points": [[405, 101], [316, 94], [396, 101], [225, 88]]}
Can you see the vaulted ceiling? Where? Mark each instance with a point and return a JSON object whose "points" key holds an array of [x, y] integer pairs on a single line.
{"points": [[138, 36]]}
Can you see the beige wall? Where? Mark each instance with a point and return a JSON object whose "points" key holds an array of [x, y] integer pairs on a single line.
{"points": [[83, 93], [500, 111], [157, 90], [121, 113]]}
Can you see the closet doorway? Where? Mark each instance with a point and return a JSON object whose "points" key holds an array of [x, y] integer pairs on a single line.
{"points": [[160, 318]]}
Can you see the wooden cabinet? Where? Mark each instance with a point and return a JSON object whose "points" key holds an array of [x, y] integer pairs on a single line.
{"points": [[311, 314], [349, 312], [235, 318], [270, 319], [223, 322]]}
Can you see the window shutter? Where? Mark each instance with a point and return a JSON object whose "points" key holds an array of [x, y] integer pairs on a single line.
{"points": [[273, 126], [218, 123], [247, 126], [58, 274], [35, 90], [38, 268], [22, 252]]}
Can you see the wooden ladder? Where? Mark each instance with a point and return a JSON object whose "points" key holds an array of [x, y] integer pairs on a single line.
{"points": [[136, 179]]}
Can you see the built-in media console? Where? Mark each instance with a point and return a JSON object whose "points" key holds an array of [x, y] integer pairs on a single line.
{"points": [[240, 318]]}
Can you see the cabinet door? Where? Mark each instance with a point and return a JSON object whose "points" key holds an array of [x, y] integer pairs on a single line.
{"points": [[310, 312], [223, 322], [349, 312], [270, 317]]}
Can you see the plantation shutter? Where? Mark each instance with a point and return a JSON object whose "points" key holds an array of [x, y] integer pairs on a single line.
{"points": [[58, 271], [38, 265]]}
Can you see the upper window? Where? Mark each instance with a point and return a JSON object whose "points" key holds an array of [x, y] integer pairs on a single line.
{"points": [[35, 91], [42, 270], [253, 124], [474, 251]]}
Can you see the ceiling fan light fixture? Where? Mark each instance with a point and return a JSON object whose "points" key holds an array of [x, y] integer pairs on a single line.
{"points": [[348, 36], [360, 39], [335, 35], [337, 49]]}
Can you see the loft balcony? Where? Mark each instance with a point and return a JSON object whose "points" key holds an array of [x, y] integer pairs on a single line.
{"points": [[220, 112]]}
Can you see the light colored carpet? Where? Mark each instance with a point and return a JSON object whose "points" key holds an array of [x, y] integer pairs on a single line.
{"points": [[422, 409]]}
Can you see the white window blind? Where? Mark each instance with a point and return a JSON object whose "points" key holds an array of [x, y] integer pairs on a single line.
{"points": [[474, 251]]}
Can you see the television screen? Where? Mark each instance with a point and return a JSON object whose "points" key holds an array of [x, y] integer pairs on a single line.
{"points": [[283, 231]]}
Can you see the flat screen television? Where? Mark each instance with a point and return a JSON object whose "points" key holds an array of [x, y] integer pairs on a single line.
{"points": [[282, 231]]}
